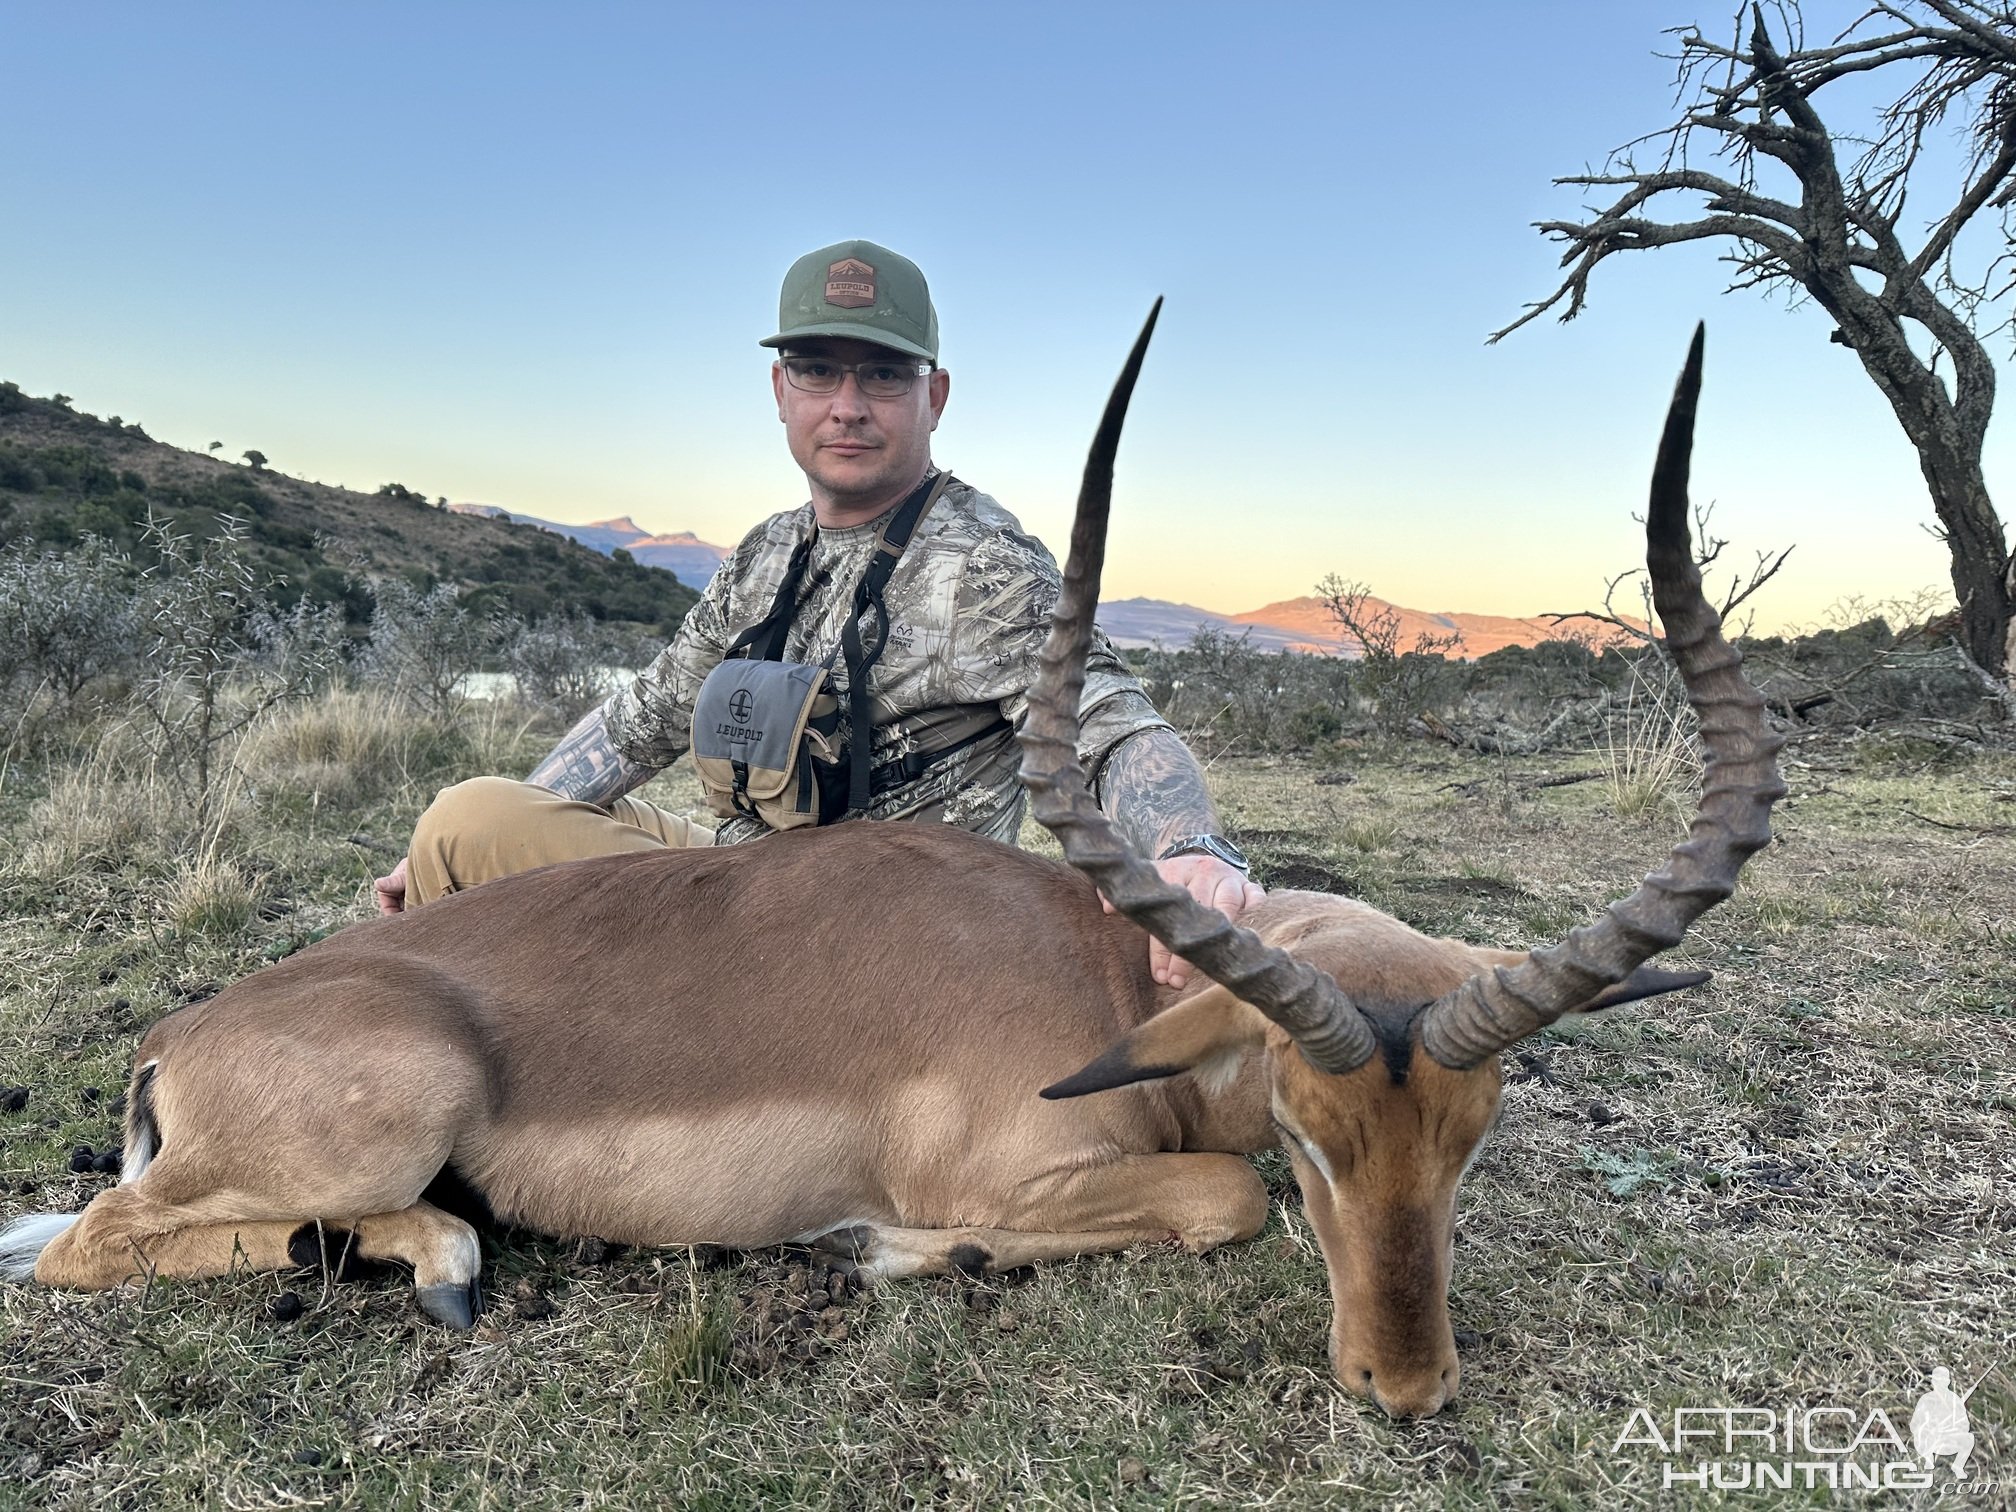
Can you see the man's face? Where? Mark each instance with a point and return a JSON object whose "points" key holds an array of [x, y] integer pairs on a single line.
{"points": [[860, 453]]}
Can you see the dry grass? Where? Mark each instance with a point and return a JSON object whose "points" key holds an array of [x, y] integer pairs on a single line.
{"points": [[1650, 760], [1793, 1186], [111, 807], [354, 746], [210, 894]]}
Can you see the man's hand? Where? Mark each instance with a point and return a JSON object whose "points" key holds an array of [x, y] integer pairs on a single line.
{"points": [[1212, 883], [391, 890]]}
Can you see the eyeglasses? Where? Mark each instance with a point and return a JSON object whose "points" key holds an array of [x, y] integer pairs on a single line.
{"points": [[884, 378]]}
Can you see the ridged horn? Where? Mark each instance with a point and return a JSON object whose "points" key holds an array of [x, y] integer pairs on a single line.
{"points": [[1739, 784], [1331, 1032]]}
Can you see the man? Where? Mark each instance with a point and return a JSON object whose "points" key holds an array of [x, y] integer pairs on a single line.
{"points": [[963, 614]]}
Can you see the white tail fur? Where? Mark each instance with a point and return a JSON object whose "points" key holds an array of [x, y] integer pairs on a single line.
{"points": [[23, 1240]]}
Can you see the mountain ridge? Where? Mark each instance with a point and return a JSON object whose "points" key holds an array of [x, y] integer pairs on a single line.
{"points": [[1297, 624]]}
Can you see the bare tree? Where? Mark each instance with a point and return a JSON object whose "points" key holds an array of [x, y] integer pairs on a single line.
{"points": [[1708, 548], [1916, 318], [1401, 683]]}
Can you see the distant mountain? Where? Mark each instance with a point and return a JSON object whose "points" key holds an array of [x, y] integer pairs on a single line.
{"points": [[1304, 624], [1297, 624], [681, 553], [1146, 622]]}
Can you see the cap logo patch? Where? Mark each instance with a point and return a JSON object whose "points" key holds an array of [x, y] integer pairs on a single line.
{"points": [[850, 284]]}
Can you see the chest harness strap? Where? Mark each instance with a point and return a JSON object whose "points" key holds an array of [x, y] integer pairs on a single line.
{"points": [[764, 641]]}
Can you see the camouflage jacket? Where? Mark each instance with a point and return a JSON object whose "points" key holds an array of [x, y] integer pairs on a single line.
{"points": [[969, 607]]}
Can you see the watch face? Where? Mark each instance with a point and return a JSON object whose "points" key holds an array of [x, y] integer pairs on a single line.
{"points": [[1229, 853]]}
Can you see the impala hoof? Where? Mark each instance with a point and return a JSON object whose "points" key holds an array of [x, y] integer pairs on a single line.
{"points": [[454, 1303]]}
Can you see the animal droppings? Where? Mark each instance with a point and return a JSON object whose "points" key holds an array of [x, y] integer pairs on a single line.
{"points": [[530, 1303], [83, 1159], [284, 1308], [1601, 1116], [13, 1099], [307, 1456]]}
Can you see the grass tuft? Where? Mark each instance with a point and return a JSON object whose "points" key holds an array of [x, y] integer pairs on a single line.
{"points": [[210, 895], [1651, 761], [349, 746], [689, 1357]]}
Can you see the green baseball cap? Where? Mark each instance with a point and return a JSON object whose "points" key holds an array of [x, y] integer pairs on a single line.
{"points": [[862, 291]]}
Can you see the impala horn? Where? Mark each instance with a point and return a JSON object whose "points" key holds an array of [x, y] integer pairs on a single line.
{"points": [[1328, 1027], [1739, 783]]}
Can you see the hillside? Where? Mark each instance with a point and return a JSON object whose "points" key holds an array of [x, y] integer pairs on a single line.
{"points": [[64, 473]]}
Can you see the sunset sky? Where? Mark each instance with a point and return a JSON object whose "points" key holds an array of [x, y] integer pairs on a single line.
{"points": [[522, 255]]}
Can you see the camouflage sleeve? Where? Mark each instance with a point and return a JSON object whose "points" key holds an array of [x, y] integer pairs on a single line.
{"points": [[650, 721], [1001, 616]]}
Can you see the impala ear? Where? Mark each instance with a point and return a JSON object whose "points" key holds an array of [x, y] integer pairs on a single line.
{"points": [[1646, 981], [1208, 1032]]}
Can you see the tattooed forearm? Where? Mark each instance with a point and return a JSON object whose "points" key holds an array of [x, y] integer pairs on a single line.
{"points": [[587, 767], [1154, 790]]}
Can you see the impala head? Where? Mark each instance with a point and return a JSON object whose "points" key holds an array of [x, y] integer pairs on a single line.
{"points": [[1382, 1044]]}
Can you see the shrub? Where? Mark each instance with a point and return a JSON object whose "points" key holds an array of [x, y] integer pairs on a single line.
{"points": [[1220, 686], [424, 642], [566, 664], [1401, 684], [66, 619], [208, 676]]}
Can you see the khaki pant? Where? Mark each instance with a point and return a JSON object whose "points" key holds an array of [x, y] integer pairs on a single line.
{"points": [[490, 827]]}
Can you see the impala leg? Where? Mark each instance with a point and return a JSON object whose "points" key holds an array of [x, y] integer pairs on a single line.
{"points": [[1199, 1201], [444, 1254], [888, 1254], [126, 1236]]}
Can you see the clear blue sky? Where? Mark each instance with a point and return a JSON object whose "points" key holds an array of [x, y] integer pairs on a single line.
{"points": [[522, 255]]}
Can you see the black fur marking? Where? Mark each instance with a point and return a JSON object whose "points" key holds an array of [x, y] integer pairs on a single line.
{"points": [[969, 1260], [140, 1120], [1393, 1028], [1107, 1072], [326, 1247], [453, 1193]]}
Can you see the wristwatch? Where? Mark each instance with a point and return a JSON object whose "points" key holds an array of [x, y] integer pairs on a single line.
{"points": [[1209, 845]]}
